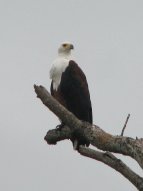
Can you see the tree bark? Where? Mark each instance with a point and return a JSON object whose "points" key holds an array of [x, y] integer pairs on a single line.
{"points": [[97, 137]]}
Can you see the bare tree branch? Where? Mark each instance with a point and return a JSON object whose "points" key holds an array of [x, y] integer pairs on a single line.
{"points": [[115, 163], [53, 136], [94, 134], [127, 119]]}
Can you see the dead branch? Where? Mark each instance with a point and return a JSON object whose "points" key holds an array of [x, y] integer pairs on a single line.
{"points": [[94, 134], [115, 163]]}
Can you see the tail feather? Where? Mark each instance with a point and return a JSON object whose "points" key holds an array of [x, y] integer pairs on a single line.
{"points": [[75, 144]]}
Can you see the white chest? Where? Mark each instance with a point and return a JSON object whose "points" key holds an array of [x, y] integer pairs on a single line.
{"points": [[56, 71]]}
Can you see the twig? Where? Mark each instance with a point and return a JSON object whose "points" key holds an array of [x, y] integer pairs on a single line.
{"points": [[127, 119]]}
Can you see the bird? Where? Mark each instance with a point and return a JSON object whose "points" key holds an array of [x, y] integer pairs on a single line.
{"points": [[70, 88]]}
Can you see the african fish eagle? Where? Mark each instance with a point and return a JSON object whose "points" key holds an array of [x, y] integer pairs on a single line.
{"points": [[69, 86]]}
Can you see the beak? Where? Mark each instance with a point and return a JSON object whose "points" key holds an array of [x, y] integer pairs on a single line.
{"points": [[71, 46]]}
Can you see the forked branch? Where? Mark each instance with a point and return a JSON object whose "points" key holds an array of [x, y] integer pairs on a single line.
{"points": [[94, 134]]}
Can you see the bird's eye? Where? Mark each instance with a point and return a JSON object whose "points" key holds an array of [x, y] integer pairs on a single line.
{"points": [[64, 45]]}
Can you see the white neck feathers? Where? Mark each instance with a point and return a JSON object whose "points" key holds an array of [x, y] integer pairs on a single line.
{"points": [[64, 54], [58, 67]]}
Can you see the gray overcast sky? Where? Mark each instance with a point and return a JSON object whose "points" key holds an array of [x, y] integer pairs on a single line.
{"points": [[108, 40]]}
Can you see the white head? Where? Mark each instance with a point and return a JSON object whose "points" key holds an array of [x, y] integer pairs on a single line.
{"points": [[65, 49]]}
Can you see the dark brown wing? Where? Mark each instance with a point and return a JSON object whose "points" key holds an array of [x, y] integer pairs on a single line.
{"points": [[74, 90]]}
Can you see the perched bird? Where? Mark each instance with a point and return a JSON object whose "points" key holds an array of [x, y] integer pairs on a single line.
{"points": [[69, 86]]}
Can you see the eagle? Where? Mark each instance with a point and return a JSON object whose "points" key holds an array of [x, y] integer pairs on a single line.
{"points": [[69, 86]]}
